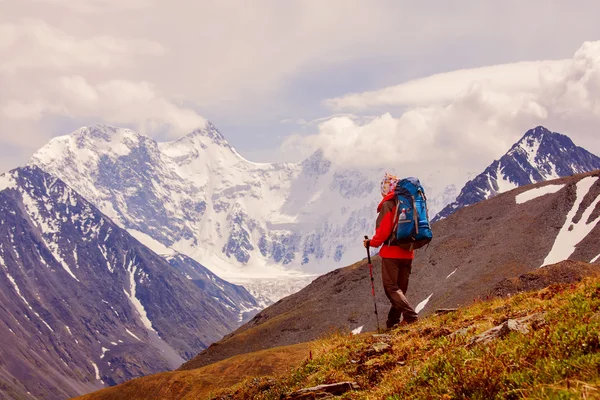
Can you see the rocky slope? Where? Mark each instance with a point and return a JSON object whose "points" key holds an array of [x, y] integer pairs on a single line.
{"points": [[474, 249], [539, 156], [83, 304]]}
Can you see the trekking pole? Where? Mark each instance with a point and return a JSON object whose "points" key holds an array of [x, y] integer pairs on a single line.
{"points": [[372, 283]]}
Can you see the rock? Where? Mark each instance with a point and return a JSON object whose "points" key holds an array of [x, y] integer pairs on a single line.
{"points": [[515, 325], [383, 337], [460, 332], [322, 391], [381, 347], [445, 310], [522, 325]]}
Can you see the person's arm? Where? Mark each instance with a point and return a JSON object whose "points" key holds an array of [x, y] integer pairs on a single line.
{"points": [[384, 225]]}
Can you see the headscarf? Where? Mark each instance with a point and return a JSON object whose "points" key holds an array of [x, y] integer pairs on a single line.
{"points": [[388, 184]]}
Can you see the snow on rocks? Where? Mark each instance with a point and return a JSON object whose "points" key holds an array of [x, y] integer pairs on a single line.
{"points": [[422, 304], [357, 330], [104, 350], [132, 334], [572, 233], [137, 304], [537, 192]]}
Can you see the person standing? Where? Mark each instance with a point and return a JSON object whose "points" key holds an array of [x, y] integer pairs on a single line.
{"points": [[396, 262]]}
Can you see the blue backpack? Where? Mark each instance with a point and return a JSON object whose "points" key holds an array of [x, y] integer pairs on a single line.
{"points": [[411, 222]]}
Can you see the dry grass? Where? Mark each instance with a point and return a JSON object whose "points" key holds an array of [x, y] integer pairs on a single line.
{"points": [[199, 383], [558, 360]]}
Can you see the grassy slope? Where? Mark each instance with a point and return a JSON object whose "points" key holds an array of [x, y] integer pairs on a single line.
{"points": [[559, 359], [199, 383]]}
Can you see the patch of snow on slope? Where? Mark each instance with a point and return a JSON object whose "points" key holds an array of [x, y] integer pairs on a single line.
{"points": [[16, 287], [451, 273], [422, 304], [104, 252], [531, 150], [137, 304], [104, 350], [97, 371], [48, 228], [357, 330], [572, 233], [150, 242], [504, 184], [18, 291], [537, 192], [595, 259], [132, 334]]}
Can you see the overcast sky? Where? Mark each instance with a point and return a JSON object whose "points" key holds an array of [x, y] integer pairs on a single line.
{"points": [[465, 80]]}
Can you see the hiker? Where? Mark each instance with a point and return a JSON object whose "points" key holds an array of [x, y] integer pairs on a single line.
{"points": [[396, 262]]}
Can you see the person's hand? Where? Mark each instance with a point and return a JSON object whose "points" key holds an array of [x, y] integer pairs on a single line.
{"points": [[366, 243]]}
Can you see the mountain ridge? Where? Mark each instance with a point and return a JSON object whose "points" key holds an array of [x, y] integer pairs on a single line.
{"points": [[538, 156], [263, 226], [85, 304]]}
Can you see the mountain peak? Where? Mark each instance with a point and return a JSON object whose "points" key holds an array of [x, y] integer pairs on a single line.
{"points": [[538, 131], [538, 156], [208, 131]]}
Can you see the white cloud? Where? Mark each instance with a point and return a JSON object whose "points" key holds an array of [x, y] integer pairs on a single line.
{"points": [[464, 133], [34, 44], [247, 64], [119, 102], [93, 6], [445, 87]]}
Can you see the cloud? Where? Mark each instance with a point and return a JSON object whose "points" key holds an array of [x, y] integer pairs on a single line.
{"points": [[34, 44], [118, 102], [460, 134], [246, 65], [95, 6], [445, 87]]}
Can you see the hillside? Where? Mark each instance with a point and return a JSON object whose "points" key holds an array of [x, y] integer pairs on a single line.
{"points": [[473, 250], [535, 345], [200, 383], [556, 352], [83, 304]]}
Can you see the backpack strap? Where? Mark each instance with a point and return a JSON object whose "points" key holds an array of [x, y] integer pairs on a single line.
{"points": [[394, 223]]}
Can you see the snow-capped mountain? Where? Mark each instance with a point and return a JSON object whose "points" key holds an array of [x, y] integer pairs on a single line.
{"points": [[263, 225], [270, 227], [84, 304], [539, 156]]}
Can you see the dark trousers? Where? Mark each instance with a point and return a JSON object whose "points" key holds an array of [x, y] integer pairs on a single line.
{"points": [[395, 274]]}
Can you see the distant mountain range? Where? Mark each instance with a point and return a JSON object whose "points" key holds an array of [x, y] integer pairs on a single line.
{"points": [[271, 227], [83, 304], [539, 156]]}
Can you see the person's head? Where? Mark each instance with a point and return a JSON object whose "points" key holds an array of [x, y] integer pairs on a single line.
{"points": [[388, 184]]}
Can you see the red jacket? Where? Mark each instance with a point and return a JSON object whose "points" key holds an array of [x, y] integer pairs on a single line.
{"points": [[384, 227]]}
